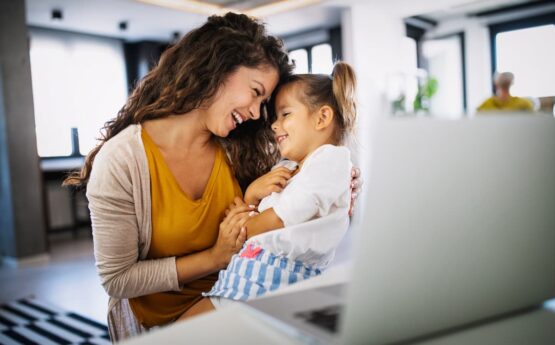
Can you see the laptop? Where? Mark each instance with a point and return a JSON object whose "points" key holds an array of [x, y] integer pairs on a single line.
{"points": [[457, 226]]}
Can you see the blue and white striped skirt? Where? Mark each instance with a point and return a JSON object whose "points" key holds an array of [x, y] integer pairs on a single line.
{"points": [[249, 277]]}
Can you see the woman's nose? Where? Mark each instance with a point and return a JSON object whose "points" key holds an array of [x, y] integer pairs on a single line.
{"points": [[254, 111]]}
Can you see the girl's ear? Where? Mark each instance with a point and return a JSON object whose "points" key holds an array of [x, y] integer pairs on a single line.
{"points": [[324, 117]]}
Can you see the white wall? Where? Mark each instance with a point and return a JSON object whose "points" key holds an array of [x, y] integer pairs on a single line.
{"points": [[372, 37]]}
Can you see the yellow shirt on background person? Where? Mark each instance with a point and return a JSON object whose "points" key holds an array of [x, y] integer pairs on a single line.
{"points": [[512, 104], [182, 226]]}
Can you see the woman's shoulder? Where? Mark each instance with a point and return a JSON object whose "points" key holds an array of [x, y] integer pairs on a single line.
{"points": [[121, 152], [125, 144]]}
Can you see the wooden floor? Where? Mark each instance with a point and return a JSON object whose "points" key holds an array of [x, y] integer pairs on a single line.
{"points": [[68, 280]]}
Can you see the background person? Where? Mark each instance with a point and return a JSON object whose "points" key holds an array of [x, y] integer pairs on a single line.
{"points": [[502, 100]]}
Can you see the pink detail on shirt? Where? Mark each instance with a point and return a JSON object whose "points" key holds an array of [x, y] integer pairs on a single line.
{"points": [[250, 252]]}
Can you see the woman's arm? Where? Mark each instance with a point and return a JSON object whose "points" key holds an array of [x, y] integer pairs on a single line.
{"points": [[118, 237], [231, 237]]}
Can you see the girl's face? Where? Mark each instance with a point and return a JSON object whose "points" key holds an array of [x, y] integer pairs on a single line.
{"points": [[239, 98], [294, 128]]}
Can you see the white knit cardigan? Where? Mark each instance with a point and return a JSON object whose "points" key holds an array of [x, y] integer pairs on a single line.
{"points": [[118, 192]]}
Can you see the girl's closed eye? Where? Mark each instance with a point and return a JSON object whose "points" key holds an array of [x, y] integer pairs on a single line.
{"points": [[257, 92]]}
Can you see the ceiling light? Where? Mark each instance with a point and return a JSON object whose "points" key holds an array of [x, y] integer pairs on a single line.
{"points": [[277, 7], [188, 6], [57, 14], [122, 25]]}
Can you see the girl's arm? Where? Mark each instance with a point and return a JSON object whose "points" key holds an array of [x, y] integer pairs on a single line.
{"points": [[263, 222], [273, 181]]}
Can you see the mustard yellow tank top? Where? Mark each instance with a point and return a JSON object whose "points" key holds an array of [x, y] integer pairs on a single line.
{"points": [[182, 226]]}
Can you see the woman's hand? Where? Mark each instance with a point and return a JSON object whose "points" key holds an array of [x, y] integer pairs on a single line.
{"points": [[238, 202], [274, 181], [356, 186], [231, 236]]}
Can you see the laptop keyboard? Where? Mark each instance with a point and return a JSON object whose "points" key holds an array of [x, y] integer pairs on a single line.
{"points": [[326, 318]]}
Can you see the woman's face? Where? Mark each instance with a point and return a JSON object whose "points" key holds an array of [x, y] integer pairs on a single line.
{"points": [[294, 127], [239, 98]]}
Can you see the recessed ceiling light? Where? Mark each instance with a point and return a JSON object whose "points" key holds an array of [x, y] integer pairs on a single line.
{"points": [[57, 14]]}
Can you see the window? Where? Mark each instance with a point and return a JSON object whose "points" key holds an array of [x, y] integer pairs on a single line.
{"points": [[313, 59], [444, 60], [79, 81], [322, 61], [300, 57], [403, 86], [529, 54]]}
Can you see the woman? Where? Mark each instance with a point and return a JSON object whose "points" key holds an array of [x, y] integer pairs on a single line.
{"points": [[169, 165], [161, 180]]}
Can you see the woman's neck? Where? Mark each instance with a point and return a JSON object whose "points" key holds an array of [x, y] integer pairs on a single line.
{"points": [[179, 132]]}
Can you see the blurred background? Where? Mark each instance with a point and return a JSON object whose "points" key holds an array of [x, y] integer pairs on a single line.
{"points": [[67, 67]]}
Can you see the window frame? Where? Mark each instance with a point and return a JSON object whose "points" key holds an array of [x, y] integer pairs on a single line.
{"points": [[75, 149], [513, 25], [333, 39], [418, 34]]}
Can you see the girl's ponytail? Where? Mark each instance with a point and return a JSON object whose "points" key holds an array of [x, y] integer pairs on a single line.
{"points": [[344, 86]]}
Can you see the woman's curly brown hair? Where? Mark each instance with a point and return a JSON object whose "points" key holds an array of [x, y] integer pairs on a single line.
{"points": [[189, 74]]}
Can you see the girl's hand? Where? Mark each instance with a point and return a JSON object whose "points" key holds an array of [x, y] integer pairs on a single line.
{"points": [[356, 186], [274, 181], [231, 236]]}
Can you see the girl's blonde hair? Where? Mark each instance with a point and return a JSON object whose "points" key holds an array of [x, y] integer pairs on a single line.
{"points": [[336, 91]]}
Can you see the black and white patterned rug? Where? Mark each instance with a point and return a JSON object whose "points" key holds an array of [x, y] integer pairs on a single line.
{"points": [[30, 321]]}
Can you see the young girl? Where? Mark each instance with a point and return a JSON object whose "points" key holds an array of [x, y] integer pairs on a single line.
{"points": [[314, 115]]}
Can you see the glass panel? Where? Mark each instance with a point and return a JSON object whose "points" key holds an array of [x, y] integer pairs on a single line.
{"points": [[322, 61], [300, 57], [444, 67], [103, 88], [78, 81], [53, 118], [402, 87], [529, 55]]}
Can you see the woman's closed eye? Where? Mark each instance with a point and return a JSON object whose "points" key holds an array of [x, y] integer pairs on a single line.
{"points": [[257, 92]]}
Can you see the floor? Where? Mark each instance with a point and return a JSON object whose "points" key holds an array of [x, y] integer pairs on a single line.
{"points": [[68, 280]]}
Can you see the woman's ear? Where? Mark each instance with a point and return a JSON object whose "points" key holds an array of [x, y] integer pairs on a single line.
{"points": [[324, 117]]}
